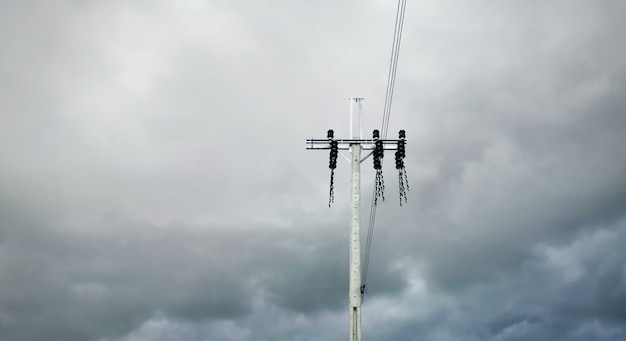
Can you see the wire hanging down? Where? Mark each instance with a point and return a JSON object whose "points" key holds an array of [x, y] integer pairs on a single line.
{"points": [[332, 164], [391, 80]]}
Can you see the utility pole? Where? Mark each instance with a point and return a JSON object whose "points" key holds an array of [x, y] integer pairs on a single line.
{"points": [[356, 144]]}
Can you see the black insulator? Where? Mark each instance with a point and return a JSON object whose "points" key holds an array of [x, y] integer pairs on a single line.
{"points": [[378, 149], [401, 148], [377, 164], [376, 133], [402, 134], [331, 134], [334, 151], [334, 148], [399, 164]]}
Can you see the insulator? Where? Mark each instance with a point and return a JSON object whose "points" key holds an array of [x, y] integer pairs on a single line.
{"points": [[376, 134], [399, 162], [402, 134], [331, 134], [378, 149], [401, 148], [334, 151], [334, 148], [377, 164]]}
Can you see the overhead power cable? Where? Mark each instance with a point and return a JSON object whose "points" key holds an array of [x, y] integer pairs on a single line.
{"points": [[391, 79]]}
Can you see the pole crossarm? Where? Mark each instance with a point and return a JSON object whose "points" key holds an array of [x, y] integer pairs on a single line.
{"points": [[344, 144]]}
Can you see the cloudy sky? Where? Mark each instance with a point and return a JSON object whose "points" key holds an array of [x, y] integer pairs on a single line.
{"points": [[154, 181]]}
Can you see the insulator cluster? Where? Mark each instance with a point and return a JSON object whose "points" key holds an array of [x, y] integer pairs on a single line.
{"points": [[379, 153], [334, 151], [401, 152], [400, 155], [332, 164]]}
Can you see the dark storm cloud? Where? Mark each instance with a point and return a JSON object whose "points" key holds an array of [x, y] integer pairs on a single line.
{"points": [[512, 177], [106, 280], [532, 156], [155, 184]]}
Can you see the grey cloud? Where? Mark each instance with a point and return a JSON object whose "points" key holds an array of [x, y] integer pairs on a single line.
{"points": [[154, 179]]}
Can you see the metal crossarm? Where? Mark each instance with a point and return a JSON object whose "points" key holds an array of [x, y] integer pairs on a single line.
{"points": [[344, 144]]}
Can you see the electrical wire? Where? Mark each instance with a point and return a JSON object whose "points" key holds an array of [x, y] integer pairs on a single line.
{"points": [[391, 79]]}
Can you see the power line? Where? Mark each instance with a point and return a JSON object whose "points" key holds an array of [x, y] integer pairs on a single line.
{"points": [[393, 65], [391, 79]]}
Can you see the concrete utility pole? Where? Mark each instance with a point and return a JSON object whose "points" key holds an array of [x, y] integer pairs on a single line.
{"points": [[355, 144]]}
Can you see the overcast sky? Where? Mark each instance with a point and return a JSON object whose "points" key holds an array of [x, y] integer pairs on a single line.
{"points": [[154, 181]]}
